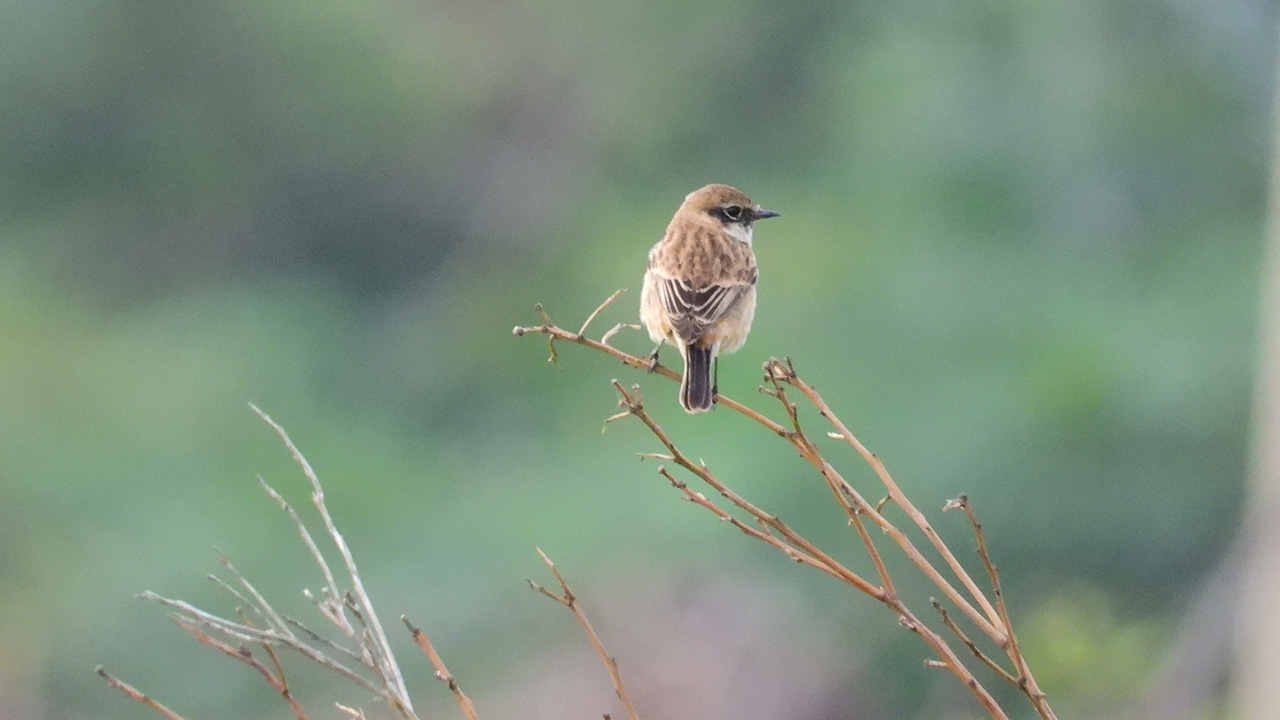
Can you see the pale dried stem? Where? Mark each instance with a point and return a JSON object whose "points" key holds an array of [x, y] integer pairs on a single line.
{"points": [[442, 672], [244, 655], [259, 604], [248, 633], [608, 301], [385, 665], [569, 600], [329, 605], [351, 712]]}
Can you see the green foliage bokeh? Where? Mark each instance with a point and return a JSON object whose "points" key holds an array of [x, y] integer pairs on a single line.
{"points": [[1018, 252]]}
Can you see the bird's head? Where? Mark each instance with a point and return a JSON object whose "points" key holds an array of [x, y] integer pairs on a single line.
{"points": [[726, 206]]}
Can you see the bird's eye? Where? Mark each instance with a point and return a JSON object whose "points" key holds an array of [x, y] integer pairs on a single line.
{"points": [[733, 212]]}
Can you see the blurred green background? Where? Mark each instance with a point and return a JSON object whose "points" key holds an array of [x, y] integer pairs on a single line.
{"points": [[1019, 253]]}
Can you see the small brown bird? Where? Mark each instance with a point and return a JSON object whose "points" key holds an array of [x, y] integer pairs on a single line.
{"points": [[699, 291]]}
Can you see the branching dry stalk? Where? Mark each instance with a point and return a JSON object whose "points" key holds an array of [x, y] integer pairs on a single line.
{"points": [[364, 656], [569, 600], [990, 618]]}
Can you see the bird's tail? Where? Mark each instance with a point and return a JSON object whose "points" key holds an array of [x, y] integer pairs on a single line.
{"points": [[695, 386]]}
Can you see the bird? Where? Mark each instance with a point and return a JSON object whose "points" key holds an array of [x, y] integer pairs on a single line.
{"points": [[699, 291]]}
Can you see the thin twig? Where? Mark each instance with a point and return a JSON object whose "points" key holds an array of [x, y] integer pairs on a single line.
{"points": [[351, 712], [608, 301], [242, 654], [631, 400], [569, 600], [246, 633], [763, 535], [554, 332], [329, 606], [786, 374], [949, 659], [991, 619], [442, 672], [318, 638], [977, 652], [1025, 680], [387, 667], [260, 604], [137, 695]]}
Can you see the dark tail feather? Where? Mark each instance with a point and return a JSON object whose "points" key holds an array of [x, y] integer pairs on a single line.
{"points": [[695, 387]]}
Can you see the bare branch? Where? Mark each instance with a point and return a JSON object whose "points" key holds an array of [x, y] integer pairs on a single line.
{"points": [[386, 666], [243, 654], [1025, 680], [137, 695], [569, 600], [608, 301], [991, 618], [329, 606], [442, 672], [786, 374], [951, 625]]}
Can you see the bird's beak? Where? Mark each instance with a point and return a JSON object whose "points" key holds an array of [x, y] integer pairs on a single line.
{"points": [[761, 213]]}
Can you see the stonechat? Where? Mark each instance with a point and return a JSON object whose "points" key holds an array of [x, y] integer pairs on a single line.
{"points": [[699, 290]]}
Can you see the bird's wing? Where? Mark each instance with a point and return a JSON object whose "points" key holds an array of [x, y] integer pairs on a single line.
{"points": [[693, 309]]}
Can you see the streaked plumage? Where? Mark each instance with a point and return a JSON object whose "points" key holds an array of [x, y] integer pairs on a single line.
{"points": [[699, 291]]}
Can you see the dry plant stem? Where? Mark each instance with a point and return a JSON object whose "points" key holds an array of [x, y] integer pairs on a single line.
{"points": [[569, 600], [442, 672], [821, 560], [247, 633], [608, 301], [1026, 681], [351, 712], [996, 624], [991, 619], [988, 624], [783, 373], [764, 535], [384, 660], [244, 655], [841, 487], [951, 625], [350, 612], [554, 333], [798, 548], [330, 606], [259, 604], [135, 694]]}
